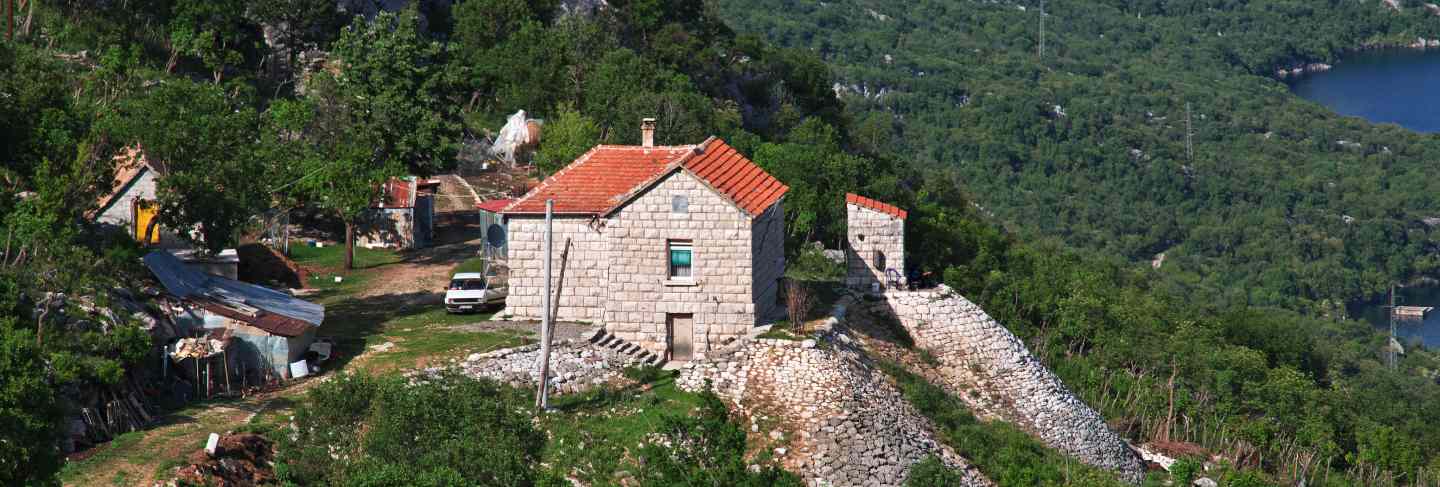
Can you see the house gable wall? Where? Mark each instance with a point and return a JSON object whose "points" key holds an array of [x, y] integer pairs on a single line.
{"points": [[640, 294], [119, 214]]}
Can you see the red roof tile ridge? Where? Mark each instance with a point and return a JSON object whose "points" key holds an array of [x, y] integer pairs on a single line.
{"points": [[876, 205], [553, 177]]}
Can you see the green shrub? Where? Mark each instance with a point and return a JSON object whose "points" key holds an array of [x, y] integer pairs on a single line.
{"points": [[929, 472], [810, 264], [645, 374], [453, 430], [704, 449]]}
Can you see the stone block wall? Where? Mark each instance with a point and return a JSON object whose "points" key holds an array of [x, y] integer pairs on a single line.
{"points": [[846, 424], [640, 293], [767, 238], [875, 242], [388, 228], [583, 292], [979, 356], [120, 215]]}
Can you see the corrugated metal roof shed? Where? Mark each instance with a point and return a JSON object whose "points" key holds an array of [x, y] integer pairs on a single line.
{"points": [[186, 283]]}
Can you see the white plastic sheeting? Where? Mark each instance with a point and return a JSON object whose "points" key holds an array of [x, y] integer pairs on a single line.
{"points": [[519, 132]]}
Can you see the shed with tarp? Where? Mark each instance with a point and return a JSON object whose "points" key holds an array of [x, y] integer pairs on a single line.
{"points": [[269, 329]]}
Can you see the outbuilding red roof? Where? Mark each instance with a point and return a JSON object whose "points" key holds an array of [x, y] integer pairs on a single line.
{"points": [[494, 206], [130, 162], [876, 205], [607, 176]]}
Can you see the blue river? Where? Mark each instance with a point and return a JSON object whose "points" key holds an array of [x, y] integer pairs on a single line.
{"points": [[1400, 86]]}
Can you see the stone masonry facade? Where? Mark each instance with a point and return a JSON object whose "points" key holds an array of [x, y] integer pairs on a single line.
{"points": [[978, 355], [875, 242], [616, 272], [844, 423]]}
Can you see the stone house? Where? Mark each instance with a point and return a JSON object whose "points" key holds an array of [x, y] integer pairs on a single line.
{"points": [[678, 249], [875, 250], [403, 218], [131, 204]]}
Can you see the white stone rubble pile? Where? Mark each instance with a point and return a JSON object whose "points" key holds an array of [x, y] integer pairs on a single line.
{"points": [[850, 426], [978, 355], [575, 366]]}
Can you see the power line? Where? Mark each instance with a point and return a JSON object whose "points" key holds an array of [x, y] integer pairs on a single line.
{"points": [[1042, 30]]}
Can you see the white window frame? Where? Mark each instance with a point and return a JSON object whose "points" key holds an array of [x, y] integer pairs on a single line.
{"points": [[670, 269]]}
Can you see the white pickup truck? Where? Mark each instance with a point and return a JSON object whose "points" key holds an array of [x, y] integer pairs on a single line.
{"points": [[471, 291]]}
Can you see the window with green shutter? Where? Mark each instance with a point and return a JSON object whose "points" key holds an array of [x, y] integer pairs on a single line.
{"points": [[681, 256]]}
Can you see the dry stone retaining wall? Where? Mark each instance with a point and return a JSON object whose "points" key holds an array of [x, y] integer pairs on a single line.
{"points": [[977, 354], [851, 427]]}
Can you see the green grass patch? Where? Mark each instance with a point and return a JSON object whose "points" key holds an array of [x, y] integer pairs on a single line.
{"points": [[595, 434], [333, 256], [781, 331], [1004, 453], [120, 448], [473, 264], [436, 345]]}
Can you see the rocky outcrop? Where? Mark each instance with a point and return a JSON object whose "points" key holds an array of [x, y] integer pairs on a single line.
{"points": [[981, 359], [848, 426]]}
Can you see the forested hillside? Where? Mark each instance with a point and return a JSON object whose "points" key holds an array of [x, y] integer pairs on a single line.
{"points": [[1283, 213], [1041, 187], [1281, 202]]}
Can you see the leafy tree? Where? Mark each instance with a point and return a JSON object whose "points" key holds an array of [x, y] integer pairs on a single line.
{"points": [[215, 31], [394, 81], [383, 114], [567, 136], [31, 418], [199, 140]]}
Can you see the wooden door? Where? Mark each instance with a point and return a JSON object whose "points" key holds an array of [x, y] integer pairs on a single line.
{"points": [[145, 213], [682, 336]]}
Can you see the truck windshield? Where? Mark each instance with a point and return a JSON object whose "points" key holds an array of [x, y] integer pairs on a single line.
{"points": [[467, 285]]}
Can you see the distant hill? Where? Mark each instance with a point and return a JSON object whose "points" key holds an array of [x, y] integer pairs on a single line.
{"points": [[1088, 143]]}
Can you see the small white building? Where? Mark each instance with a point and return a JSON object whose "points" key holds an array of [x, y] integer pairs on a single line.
{"points": [[875, 253], [678, 249]]}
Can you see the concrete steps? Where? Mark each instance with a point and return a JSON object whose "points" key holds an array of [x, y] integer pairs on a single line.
{"points": [[604, 339]]}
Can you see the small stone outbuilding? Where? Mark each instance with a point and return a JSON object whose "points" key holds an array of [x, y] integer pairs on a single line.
{"points": [[678, 249], [875, 254], [404, 218], [132, 204]]}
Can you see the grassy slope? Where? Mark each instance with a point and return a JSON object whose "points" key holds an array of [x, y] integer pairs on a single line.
{"points": [[422, 336]]}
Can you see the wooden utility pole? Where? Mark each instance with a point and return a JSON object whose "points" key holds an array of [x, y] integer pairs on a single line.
{"points": [[542, 398]]}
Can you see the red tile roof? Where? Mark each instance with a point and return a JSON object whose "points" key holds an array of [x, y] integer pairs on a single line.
{"points": [[129, 164], [493, 206], [609, 175], [886, 208]]}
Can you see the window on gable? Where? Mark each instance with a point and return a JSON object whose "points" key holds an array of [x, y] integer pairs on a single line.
{"points": [[680, 204], [681, 256]]}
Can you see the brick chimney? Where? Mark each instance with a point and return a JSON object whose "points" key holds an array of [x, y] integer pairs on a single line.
{"points": [[647, 132]]}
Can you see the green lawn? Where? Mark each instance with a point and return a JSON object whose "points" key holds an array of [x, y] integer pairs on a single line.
{"points": [[333, 256]]}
